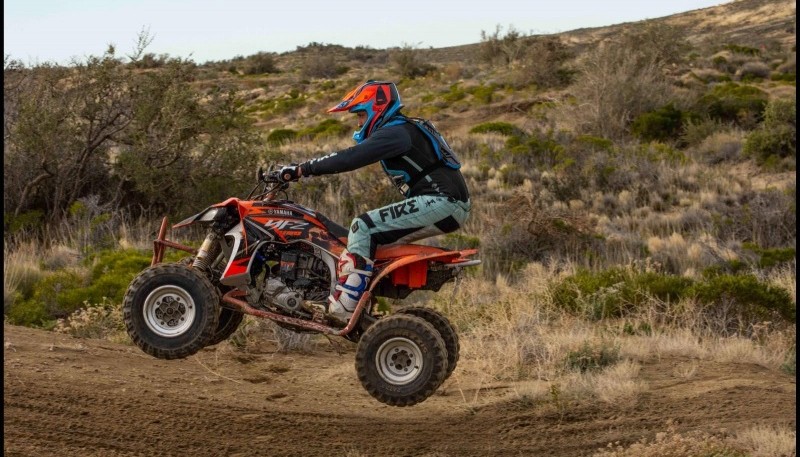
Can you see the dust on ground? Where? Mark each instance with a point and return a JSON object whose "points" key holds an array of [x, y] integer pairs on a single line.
{"points": [[66, 396]]}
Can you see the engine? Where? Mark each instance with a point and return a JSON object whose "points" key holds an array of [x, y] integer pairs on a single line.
{"points": [[294, 280]]}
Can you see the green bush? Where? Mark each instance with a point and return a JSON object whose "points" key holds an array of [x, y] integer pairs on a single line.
{"points": [[454, 94], [738, 49], [503, 128], [776, 138], [737, 103], [615, 292], [280, 136], [260, 63], [27, 221], [771, 257], [59, 294], [589, 358], [326, 128], [482, 94], [113, 271], [790, 363], [56, 295], [660, 125], [749, 300]]}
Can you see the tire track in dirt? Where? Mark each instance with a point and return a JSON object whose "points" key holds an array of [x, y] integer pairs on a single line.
{"points": [[72, 397]]}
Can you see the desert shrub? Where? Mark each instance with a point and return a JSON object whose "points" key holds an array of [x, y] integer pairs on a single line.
{"points": [[615, 292], [55, 295], [260, 63], [113, 270], [502, 48], [482, 94], [326, 128], [732, 102], [535, 231], [460, 241], [503, 128], [594, 143], [318, 64], [719, 146], [766, 217], [739, 49], [58, 294], [592, 357], [26, 221], [777, 136], [100, 320], [618, 81], [790, 364], [454, 94], [21, 273], [736, 302], [662, 124], [291, 101], [543, 64], [280, 136], [770, 257], [407, 62], [696, 130], [753, 71]]}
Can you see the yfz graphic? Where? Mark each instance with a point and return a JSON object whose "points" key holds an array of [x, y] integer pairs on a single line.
{"points": [[275, 259]]}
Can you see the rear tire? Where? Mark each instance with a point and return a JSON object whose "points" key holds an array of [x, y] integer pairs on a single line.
{"points": [[171, 311], [445, 329], [229, 321], [401, 360]]}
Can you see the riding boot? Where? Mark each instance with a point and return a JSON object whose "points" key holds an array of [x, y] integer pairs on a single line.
{"points": [[354, 272]]}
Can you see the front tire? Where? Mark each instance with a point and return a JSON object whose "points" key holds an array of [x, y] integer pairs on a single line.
{"points": [[445, 329], [401, 360], [171, 311]]}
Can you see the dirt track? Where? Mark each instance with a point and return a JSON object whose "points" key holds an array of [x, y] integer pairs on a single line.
{"points": [[77, 397]]}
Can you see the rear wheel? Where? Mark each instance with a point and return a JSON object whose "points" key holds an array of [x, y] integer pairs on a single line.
{"points": [[445, 329], [401, 360], [171, 311], [229, 321]]}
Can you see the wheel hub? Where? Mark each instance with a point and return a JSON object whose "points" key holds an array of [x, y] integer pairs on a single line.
{"points": [[399, 361], [169, 310]]}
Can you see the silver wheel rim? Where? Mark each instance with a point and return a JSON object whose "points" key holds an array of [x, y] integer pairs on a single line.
{"points": [[399, 361], [169, 311]]}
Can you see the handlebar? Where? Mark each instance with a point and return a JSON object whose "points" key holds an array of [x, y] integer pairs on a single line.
{"points": [[269, 182]]}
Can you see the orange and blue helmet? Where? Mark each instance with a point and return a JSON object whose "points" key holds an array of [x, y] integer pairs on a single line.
{"points": [[380, 100]]}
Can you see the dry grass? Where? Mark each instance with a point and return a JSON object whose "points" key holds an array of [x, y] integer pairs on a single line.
{"points": [[762, 441], [20, 271]]}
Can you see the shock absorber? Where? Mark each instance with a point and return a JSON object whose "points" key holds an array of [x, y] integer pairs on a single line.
{"points": [[208, 252]]}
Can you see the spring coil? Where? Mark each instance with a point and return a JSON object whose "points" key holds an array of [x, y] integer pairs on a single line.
{"points": [[207, 253]]}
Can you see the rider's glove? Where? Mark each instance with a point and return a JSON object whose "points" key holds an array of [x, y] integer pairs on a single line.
{"points": [[290, 173]]}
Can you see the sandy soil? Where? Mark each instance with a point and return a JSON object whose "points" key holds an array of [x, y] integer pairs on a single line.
{"points": [[65, 396]]}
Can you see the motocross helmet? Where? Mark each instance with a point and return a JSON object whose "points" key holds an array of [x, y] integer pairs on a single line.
{"points": [[379, 100]]}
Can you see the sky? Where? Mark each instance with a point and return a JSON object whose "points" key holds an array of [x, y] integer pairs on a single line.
{"points": [[38, 31]]}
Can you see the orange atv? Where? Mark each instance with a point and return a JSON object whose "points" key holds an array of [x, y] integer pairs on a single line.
{"points": [[275, 259]]}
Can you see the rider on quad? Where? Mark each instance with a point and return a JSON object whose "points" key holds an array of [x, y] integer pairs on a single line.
{"points": [[417, 160]]}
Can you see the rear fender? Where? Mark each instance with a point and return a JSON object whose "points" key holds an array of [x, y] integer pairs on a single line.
{"points": [[412, 269]]}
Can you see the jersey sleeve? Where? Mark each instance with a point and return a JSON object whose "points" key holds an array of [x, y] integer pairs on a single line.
{"points": [[385, 143]]}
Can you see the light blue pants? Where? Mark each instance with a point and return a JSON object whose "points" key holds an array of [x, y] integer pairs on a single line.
{"points": [[406, 221]]}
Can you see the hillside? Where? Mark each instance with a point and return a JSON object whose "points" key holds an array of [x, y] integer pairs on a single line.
{"points": [[757, 24], [633, 197]]}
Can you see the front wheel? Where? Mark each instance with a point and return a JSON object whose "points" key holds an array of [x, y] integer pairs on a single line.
{"points": [[401, 360], [171, 311]]}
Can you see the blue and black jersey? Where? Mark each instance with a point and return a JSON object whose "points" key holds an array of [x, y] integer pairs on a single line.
{"points": [[407, 156]]}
